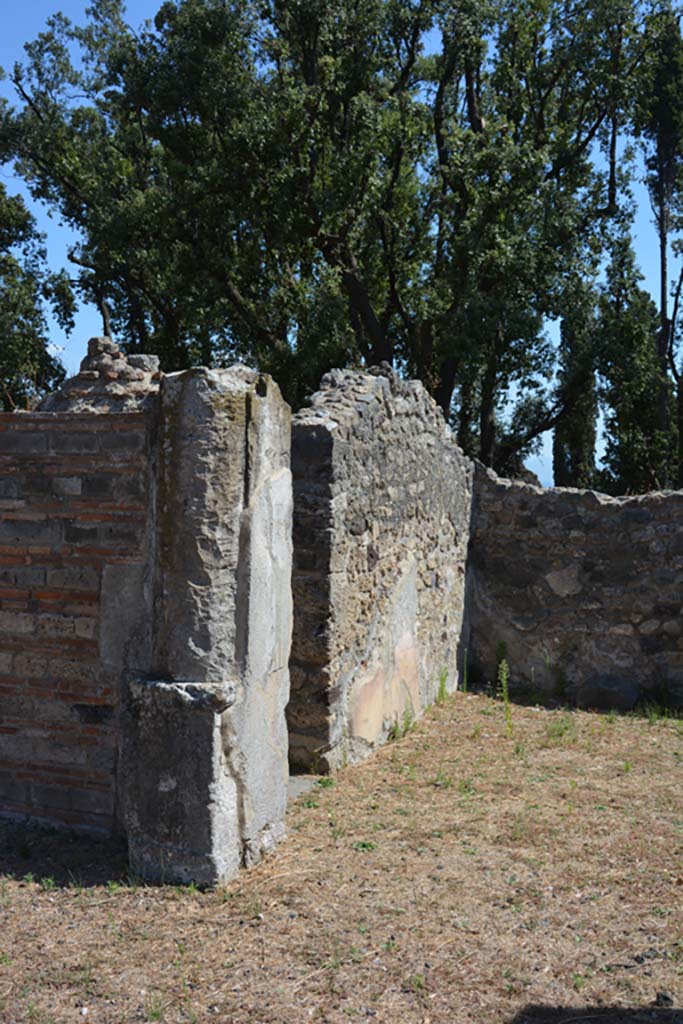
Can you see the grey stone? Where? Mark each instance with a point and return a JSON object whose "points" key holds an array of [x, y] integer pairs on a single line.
{"points": [[565, 582], [108, 381], [606, 693], [382, 518], [150, 364], [207, 765]]}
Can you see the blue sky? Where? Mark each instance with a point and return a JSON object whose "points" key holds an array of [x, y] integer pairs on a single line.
{"points": [[21, 22]]}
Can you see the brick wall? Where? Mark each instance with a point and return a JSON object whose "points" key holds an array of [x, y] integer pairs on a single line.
{"points": [[75, 540]]}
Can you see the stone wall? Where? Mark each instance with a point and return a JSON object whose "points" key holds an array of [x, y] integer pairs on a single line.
{"points": [[580, 592], [381, 525], [145, 612], [205, 759], [75, 503], [146, 596]]}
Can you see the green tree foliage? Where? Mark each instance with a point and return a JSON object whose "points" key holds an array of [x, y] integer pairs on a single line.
{"points": [[639, 455], [27, 369], [659, 120], [302, 184]]}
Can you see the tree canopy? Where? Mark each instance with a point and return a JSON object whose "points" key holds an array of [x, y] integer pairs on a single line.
{"points": [[301, 185], [27, 367]]}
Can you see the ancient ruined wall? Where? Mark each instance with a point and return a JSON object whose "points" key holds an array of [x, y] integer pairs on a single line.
{"points": [[381, 523], [75, 505], [145, 612], [206, 740], [581, 593]]}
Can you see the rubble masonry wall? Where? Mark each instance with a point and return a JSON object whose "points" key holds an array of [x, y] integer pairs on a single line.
{"points": [[146, 589], [580, 592], [382, 500]]}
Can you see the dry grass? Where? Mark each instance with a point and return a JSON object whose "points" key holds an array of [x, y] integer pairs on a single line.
{"points": [[458, 875]]}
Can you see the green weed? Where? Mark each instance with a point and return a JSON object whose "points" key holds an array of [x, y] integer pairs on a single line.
{"points": [[402, 728], [154, 1009], [442, 692], [561, 728], [441, 780], [504, 686]]}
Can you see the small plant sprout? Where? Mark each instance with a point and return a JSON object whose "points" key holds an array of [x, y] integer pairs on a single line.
{"points": [[442, 692], [401, 728], [503, 684], [154, 1009], [464, 673]]}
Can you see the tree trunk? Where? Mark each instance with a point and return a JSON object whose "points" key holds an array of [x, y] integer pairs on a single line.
{"points": [[664, 324], [379, 348], [424, 355], [465, 418], [443, 392], [679, 423], [487, 422], [104, 313]]}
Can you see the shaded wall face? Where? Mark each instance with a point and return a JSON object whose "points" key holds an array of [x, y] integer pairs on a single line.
{"points": [[581, 593], [382, 508], [75, 606]]}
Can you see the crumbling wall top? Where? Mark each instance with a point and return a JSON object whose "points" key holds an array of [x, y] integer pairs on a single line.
{"points": [[108, 381], [343, 394]]}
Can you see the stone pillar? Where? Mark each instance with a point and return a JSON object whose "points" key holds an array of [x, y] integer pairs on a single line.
{"points": [[206, 744]]}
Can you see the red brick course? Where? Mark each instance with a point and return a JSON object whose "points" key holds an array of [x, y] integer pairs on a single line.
{"points": [[74, 498]]}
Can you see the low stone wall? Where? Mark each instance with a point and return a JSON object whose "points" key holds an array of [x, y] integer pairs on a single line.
{"points": [[75, 514], [580, 592], [381, 525]]}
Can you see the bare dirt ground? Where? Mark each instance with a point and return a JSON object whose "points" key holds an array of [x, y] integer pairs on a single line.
{"points": [[459, 875]]}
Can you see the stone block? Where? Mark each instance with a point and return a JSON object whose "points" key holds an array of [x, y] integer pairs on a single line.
{"points": [[182, 816], [73, 443], [206, 763], [23, 442]]}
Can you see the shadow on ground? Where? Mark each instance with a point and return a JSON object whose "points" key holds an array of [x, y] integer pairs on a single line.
{"points": [[651, 709], [55, 858], [59, 858], [599, 1014]]}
